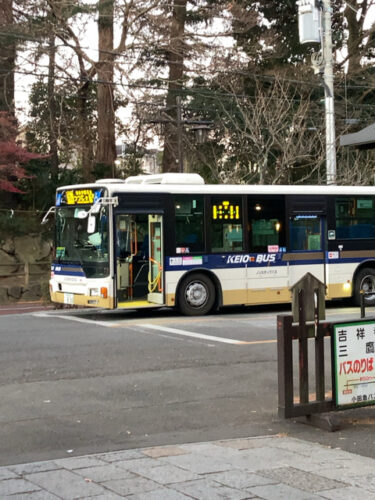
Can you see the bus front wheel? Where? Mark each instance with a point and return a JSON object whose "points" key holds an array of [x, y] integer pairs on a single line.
{"points": [[196, 295], [365, 280]]}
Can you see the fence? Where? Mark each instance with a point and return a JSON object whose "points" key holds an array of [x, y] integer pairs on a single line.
{"points": [[304, 334], [26, 271], [307, 337]]}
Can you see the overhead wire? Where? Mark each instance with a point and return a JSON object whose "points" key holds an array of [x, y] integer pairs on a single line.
{"points": [[201, 70]]}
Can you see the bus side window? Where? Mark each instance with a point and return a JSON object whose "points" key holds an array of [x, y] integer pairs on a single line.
{"points": [[189, 218], [355, 217], [266, 224], [226, 224], [305, 232]]}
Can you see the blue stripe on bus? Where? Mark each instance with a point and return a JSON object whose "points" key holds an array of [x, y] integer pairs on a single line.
{"points": [[228, 261], [219, 261], [67, 270], [235, 261]]}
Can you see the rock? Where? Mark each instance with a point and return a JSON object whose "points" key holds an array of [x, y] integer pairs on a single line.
{"points": [[32, 292], [8, 264], [26, 248], [45, 250], [3, 295], [15, 291], [8, 246], [32, 248]]}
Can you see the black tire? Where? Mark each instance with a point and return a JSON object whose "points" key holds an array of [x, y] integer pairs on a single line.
{"points": [[196, 295], [365, 280]]}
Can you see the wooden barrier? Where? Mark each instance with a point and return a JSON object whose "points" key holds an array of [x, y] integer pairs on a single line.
{"points": [[305, 335]]}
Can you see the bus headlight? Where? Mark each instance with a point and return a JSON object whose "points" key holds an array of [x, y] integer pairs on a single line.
{"points": [[94, 292], [347, 287]]}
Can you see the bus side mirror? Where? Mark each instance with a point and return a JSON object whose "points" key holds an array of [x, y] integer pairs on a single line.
{"points": [[91, 223], [51, 210]]}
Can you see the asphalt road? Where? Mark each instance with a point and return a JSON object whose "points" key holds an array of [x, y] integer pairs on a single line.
{"points": [[77, 382]]}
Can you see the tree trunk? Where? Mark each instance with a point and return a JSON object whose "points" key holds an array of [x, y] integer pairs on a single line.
{"points": [[173, 129], [355, 39], [7, 57], [84, 132], [52, 132], [106, 147]]}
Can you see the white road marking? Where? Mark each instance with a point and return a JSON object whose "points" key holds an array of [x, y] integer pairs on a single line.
{"points": [[107, 324], [212, 338], [159, 328]]}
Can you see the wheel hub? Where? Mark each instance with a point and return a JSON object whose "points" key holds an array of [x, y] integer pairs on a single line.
{"points": [[368, 286], [196, 294]]}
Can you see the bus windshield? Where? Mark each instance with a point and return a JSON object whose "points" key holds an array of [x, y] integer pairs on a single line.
{"points": [[75, 245]]}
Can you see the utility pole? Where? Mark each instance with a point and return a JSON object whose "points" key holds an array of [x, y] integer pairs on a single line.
{"points": [[179, 136], [329, 93], [315, 26], [198, 126]]}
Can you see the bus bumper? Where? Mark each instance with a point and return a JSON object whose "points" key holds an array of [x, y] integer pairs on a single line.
{"points": [[82, 300]]}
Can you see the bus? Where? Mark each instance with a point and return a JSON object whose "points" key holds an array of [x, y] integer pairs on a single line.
{"points": [[172, 240]]}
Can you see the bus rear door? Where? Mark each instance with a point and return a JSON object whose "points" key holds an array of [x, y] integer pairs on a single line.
{"points": [[307, 245]]}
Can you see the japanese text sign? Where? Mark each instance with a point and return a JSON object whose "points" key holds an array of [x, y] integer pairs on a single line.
{"points": [[354, 353]]}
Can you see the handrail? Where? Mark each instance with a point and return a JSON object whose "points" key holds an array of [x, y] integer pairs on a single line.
{"points": [[156, 283]]}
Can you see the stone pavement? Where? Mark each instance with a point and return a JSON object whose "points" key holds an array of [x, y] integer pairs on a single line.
{"points": [[271, 467]]}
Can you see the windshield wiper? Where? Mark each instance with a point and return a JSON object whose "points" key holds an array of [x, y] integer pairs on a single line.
{"points": [[80, 244]]}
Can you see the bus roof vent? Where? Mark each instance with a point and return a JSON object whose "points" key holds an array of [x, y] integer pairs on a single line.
{"points": [[169, 178], [109, 181]]}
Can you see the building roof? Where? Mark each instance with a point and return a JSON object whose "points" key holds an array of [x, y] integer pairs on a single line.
{"points": [[364, 139]]}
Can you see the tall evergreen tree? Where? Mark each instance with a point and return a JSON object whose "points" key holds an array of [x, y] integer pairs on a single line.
{"points": [[7, 56], [106, 145], [175, 59], [189, 23]]}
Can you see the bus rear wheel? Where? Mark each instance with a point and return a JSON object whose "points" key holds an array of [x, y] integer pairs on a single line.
{"points": [[365, 281], [196, 295]]}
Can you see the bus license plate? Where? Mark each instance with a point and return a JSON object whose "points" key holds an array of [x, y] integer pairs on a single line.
{"points": [[68, 298]]}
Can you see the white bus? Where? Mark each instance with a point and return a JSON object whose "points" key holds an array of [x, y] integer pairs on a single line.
{"points": [[171, 240]]}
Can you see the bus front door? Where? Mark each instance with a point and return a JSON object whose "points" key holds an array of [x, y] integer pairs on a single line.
{"points": [[139, 260], [306, 252], [156, 258]]}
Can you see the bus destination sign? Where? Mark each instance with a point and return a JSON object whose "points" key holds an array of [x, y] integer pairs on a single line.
{"points": [[78, 197], [354, 353]]}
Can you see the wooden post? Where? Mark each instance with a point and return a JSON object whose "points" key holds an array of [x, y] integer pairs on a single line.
{"points": [[285, 364], [319, 355], [27, 273], [303, 351], [362, 295]]}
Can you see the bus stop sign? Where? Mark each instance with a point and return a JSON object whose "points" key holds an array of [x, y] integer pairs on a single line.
{"points": [[354, 370]]}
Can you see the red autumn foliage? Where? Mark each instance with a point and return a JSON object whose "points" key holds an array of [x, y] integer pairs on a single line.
{"points": [[12, 155]]}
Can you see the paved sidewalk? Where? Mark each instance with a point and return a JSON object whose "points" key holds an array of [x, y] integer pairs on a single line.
{"points": [[272, 467], [24, 307]]}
